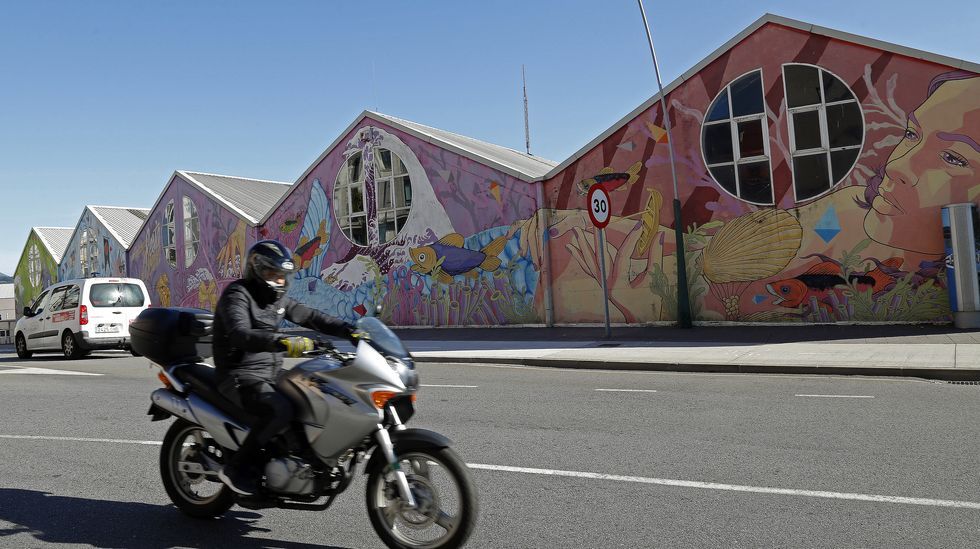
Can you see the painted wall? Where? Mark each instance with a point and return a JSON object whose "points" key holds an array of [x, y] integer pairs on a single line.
{"points": [[224, 239], [869, 250], [110, 254], [455, 261], [35, 271]]}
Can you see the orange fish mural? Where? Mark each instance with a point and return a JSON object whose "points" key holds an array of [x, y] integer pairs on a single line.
{"points": [[495, 191], [308, 249], [821, 279], [448, 258]]}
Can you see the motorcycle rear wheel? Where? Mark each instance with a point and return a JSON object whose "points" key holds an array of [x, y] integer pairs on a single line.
{"points": [[182, 446], [445, 497]]}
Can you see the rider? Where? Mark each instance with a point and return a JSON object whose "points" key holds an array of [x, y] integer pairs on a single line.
{"points": [[248, 350]]}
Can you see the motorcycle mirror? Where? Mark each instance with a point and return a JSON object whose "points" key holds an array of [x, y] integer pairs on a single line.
{"points": [[377, 310]]}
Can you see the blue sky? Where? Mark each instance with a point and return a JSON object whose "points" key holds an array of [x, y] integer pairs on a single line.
{"points": [[101, 101]]}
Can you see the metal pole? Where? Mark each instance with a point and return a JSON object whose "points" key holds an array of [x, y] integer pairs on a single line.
{"points": [[683, 296], [602, 272]]}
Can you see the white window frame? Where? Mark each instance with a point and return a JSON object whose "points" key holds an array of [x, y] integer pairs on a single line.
{"points": [[397, 207], [192, 238], [170, 231], [824, 148], [88, 252], [737, 158]]}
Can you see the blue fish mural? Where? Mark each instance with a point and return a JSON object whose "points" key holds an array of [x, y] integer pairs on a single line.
{"points": [[448, 258]]}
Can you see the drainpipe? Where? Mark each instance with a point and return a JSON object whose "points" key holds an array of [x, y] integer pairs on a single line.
{"points": [[542, 213]]}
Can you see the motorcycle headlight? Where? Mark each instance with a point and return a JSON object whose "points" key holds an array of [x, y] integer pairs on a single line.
{"points": [[405, 370]]}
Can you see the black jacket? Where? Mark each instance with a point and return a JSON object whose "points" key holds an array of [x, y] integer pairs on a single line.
{"points": [[246, 328]]}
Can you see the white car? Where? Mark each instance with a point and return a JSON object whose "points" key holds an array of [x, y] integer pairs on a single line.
{"points": [[78, 316]]}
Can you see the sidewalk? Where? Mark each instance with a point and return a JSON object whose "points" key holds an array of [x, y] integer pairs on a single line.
{"points": [[935, 352]]}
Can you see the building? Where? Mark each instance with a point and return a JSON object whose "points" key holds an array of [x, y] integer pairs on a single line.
{"points": [[8, 309], [195, 236], [38, 264], [99, 242], [811, 166]]}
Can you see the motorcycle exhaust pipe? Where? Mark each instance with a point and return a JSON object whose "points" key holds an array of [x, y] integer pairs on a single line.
{"points": [[175, 404]]}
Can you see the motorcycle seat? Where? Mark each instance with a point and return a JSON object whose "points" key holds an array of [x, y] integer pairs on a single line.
{"points": [[202, 380]]}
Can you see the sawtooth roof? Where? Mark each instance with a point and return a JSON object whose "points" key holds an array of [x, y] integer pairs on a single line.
{"points": [[252, 199], [122, 222], [55, 239]]}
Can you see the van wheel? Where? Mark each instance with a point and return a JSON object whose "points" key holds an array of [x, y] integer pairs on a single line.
{"points": [[22, 351], [69, 346]]}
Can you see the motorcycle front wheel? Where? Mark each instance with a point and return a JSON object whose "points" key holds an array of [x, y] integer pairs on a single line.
{"points": [[446, 502], [187, 467]]}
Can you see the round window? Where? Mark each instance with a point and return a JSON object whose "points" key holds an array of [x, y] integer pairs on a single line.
{"points": [[372, 196]]}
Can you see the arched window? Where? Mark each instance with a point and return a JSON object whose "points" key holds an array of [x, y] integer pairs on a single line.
{"points": [[88, 252], [169, 232], [192, 232], [826, 128], [386, 181], [735, 140]]}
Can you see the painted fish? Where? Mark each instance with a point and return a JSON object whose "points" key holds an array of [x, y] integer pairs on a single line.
{"points": [[289, 225], [819, 280], [610, 179], [308, 249], [495, 191], [263, 232], [448, 258]]}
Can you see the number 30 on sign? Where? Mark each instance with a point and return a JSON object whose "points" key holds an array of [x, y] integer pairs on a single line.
{"points": [[599, 206]]}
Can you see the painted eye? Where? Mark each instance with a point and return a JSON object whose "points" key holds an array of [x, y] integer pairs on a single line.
{"points": [[421, 257], [953, 159], [784, 289], [911, 134]]}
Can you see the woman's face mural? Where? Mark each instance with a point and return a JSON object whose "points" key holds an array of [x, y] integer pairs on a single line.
{"points": [[936, 163]]}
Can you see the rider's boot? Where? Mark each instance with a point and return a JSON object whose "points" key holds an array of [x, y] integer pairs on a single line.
{"points": [[241, 478]]}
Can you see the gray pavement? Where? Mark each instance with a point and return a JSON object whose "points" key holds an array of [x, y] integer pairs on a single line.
{"points": [[927, 351]]}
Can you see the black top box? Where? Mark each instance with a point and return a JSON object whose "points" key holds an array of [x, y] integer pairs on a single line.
{"points": [[171, 335]]}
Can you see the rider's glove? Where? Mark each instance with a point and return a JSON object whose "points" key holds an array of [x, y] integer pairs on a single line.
{"points": [[354, 336], [296, 346]]}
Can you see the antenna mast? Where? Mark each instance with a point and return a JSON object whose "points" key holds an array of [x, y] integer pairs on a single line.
{"points": [[527, 129]]}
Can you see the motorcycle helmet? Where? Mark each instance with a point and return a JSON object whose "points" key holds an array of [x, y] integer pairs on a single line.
{"points": [[268, 262]]}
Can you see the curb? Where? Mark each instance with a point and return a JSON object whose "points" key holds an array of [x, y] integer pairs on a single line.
{"points": [[941, 374]]}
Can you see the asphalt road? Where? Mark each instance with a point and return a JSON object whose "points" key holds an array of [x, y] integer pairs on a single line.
{"points": [[561, 459]]}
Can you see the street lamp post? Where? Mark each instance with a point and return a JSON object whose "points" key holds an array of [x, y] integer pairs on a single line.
{"points": [[683, 296]]}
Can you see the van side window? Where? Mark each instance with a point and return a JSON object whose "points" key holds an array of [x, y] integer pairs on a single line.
{"points": [[39, 303], [57, 298], [71, 298]]}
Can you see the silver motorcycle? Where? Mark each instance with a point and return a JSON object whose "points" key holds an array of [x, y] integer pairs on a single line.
{"points": [[350, 409]]}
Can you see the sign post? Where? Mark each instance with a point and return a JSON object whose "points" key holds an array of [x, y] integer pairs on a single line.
{"points": [[599, 213]]}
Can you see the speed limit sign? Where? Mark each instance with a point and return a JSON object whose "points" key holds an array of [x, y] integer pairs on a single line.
{"points": [[599, 206]]}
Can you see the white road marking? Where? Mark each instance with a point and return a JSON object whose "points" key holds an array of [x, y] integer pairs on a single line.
{"points": [[836, 396], [454, 386], [874, 498], [44, 371], [79, 439], [735, 487], [628, 390]]}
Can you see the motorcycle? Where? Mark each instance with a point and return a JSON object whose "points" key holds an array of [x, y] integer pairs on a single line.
{"points": [[351, 409]]}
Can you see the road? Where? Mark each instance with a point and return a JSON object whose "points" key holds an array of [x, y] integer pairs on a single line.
{"points": [[561, 459]]}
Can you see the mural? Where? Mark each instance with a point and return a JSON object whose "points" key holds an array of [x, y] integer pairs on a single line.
{"points": [[35, 271], [843, 225], [868, 250], [93, 245], [223, 241], [452, 260]]}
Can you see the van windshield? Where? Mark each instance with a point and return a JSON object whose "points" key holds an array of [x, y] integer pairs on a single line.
{"points": [[116, 295]]}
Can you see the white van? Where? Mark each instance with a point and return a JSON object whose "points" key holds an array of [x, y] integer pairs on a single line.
{"points": [[78, 316]]}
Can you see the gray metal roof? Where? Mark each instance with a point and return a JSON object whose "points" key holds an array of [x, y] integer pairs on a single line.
{"points": [[250, 198], [528, 167], [122, 222], [55, 239]]}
